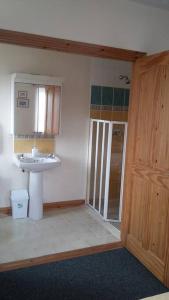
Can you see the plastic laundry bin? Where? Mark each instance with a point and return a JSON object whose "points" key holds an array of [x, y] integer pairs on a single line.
{"points": [[19, 201]]}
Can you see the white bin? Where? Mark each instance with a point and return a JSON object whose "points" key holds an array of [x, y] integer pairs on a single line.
{"points": [[19, 201]]}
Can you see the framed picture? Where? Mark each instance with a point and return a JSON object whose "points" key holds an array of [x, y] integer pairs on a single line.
{"points": [[22, 94], [23, 103]]}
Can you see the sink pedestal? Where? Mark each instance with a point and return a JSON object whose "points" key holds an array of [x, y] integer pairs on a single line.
{"points": [[36, 195]]}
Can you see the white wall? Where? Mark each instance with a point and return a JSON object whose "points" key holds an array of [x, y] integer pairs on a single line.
{"points": [[118, 23], [106, 72], [69, 180]]}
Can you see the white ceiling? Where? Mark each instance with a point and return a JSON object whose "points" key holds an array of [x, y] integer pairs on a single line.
{"points": [[163, 4], [117, 23]]}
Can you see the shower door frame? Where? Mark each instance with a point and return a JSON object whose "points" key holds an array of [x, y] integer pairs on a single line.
{"points": [[108, 161]]}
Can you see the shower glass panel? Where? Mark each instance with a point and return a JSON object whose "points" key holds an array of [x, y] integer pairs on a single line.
{"points": [[92, 166], [106, 167], [98, 164], [115, 171], [104, 164]]}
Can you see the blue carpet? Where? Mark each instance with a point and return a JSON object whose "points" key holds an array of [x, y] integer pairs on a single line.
{"points": [[112, 275]]}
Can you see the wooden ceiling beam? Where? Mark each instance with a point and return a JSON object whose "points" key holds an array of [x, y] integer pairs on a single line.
{"points": [[68, 46]]}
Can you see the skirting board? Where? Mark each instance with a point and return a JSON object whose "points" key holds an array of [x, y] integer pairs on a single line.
{"points": [[49, 205], [58, 256]]}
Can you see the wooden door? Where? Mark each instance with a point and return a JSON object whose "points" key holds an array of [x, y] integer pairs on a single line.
{"points": [[145, 224]]}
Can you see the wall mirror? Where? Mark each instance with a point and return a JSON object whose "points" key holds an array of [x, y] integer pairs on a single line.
{"points": [[35, 105]]}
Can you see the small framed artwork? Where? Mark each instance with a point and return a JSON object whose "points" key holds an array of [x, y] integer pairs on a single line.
{"points": [[22, 94], [23, 103]]}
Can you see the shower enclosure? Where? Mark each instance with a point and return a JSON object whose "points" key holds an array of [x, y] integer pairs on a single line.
{"points": [[106, 164]]}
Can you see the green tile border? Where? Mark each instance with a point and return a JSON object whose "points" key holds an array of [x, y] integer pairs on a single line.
{"points": [[109, 98]]}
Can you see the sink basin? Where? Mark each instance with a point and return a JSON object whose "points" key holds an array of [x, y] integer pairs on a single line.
{"points": [[39, 163], [35, 166]]}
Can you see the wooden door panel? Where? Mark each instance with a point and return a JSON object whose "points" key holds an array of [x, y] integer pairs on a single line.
{"points": [[153, 175], [161, 126], [158, 221], [139, 207], [145, 222], [145, 116], [148, 227], [154, 264], [147, 213]]}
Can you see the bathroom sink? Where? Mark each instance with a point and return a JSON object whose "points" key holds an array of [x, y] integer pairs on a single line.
{"points": [[39, 163], [35, 165]]}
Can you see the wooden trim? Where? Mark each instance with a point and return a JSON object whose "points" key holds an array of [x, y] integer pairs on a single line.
{"points": [[63, 204], [5, 210], [166, 272], [58, 256], [51, 43], [149, 61], [50, 205], [130, 143]]}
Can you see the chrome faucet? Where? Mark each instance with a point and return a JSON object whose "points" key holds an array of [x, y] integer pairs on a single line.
{"points": [[51, 155]]}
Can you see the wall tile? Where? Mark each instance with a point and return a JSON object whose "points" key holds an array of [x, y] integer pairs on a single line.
{"points": [[96, 95], [126, 98], [109, 115], [26, 145], [107, 96], [118, 97]]}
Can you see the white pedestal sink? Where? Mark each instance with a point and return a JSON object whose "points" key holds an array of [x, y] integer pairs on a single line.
{"points": [[35, 166], [36, 195]]}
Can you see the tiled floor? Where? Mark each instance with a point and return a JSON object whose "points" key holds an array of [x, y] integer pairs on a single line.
{"points": [[116, 224], [60, 230]]}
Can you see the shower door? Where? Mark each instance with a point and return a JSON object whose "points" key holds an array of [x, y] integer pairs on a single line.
{"points": [[106, 167]]}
